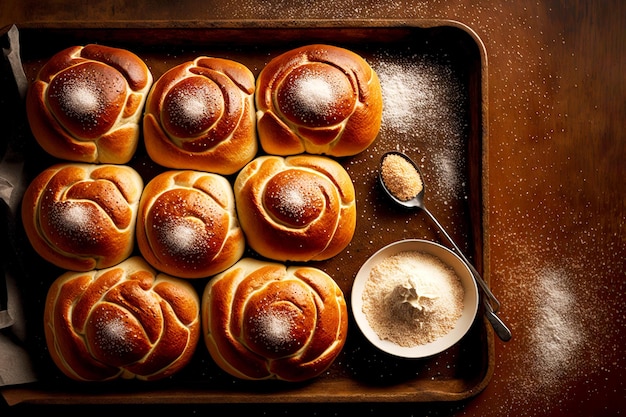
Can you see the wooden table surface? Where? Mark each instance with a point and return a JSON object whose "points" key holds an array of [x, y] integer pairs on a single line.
{"points": [[557, 208]]}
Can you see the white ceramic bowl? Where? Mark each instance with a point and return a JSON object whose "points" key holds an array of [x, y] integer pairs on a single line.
{"points": [[470, 301]]}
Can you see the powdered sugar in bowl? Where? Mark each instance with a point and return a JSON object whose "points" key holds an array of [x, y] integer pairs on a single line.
{"points": [[414, 298]]}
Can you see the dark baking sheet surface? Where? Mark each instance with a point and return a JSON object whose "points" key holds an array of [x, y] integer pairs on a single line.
{"points": [[432, 73]]}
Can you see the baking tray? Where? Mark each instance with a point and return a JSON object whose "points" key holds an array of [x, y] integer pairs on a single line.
{"points": [[434, 76]]}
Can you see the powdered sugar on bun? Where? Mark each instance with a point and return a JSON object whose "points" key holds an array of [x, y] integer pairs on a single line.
{"points": [[264, 320], [200, 115], [298, 208], [127, 321], [82, 216], [318, 99], [187, 224], [86, 104]]}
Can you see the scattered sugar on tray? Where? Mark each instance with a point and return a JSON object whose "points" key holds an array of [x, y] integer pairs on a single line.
{"points": [[420, 92], [412, 298], [424, 100]]}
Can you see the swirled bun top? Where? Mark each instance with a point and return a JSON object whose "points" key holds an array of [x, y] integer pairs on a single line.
{"points": [[298, 208], [187, 224], [86, 104], [127, 321], [318, 99], [200, 115], [82, 216], [264, 320]]}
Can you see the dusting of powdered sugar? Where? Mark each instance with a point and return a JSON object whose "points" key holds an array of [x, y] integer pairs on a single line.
{"points": [[424, 103], [314, 98], [192, 108], [184, 238], [110, 334], [273, 328], [73, 220], [80, 96]]}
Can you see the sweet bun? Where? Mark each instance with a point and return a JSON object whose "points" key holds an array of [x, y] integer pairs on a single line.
{"points": [[82, 216], [318, 99], [298, 208], [187, 224], [86, 104], [123, 322], [264, 320], [200, 115]]}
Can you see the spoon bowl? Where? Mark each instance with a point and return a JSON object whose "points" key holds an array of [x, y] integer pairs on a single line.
{"points": [[418, 199], [492, 305]]}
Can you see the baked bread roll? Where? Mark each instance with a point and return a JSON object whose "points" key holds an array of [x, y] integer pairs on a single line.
{"points": [[187, 224], [86, 104], [264, 320], [200, 115], [123, 322], [298, 208], [82, 216], [319, 99]]}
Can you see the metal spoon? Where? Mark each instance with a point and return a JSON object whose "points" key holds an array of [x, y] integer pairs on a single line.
{"points": [[491, 302]]}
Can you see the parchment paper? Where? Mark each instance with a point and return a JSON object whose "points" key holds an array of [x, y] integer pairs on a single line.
{"points": [[16, 366]]}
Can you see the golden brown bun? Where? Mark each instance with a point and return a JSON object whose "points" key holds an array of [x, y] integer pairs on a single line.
{"points": [[264, 320], [319, 99], [200, 115], [86, 104], [187, 224], [123, 322], [298, 208], [82, 216]]}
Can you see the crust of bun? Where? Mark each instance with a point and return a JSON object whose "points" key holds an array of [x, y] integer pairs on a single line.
{"points": [[127, 321], [187, 224], [318, 99], [265, 320], [200, 115], [82, 216], [86, 104], [298, 208]]}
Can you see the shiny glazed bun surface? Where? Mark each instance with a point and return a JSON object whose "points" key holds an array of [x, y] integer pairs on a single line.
{"points": [[123, 322], [264, 320], [318, 99], [200, 115], [298, 208], [82, 216], [187, 224], [86, 104]]}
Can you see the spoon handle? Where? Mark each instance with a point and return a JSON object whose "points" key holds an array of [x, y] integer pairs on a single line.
{"points": [[495, 304], [497, 324]]}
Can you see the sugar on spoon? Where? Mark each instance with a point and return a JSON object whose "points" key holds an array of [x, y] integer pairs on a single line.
{"points": [[404, 184]]}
